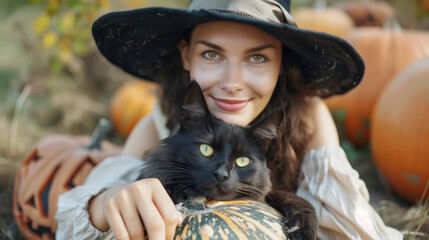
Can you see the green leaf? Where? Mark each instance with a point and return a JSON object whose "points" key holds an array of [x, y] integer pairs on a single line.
{"points": [[79, 47], [339, 117], [74, 3], [354, 154], [56, 66], [41, 23], [53, 8]]}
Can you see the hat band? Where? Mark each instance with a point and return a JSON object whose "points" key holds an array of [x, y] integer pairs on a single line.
{"points": [[266, 10]]}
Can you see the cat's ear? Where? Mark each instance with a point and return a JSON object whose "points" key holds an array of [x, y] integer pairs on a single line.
{"points": [[194, 105], [266, 129]]}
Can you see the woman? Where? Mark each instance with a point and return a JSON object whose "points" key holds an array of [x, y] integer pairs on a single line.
{"points": [[249, 58]]}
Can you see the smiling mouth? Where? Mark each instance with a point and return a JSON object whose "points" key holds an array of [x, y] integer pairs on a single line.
{"points": [[230, 105]]}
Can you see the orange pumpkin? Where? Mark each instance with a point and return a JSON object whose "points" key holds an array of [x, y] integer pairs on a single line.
{"points": [[367, 13], [131, 102], [55, 165], [327, 20], [425, 4], [400, 131], [385, 52]]}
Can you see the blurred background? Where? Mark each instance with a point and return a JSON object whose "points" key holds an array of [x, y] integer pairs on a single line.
{"points": [[54, 81]]}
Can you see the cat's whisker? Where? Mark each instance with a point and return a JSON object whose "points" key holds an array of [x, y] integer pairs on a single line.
{"points": [[177, 180], [172, 165], [250, 191], [176, 164], [269, 198], [178, 173], [171, 171], [198, 188]]}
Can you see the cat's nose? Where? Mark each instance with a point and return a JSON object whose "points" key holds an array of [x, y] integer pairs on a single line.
{"points": [[221, 175]]}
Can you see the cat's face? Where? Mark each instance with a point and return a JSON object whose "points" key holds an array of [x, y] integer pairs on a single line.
{"points": [[223, 163], [219, 160]]}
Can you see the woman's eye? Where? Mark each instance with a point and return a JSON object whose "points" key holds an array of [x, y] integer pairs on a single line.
{"points": [[206, 150], [211, 55], [257, 58], [242, 161]]}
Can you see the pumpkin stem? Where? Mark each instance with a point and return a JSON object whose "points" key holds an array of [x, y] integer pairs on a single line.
{"points": [[191, 205], [99, 133]]}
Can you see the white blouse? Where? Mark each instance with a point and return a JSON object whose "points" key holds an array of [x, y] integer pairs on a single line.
{"points": [[327, 180]]}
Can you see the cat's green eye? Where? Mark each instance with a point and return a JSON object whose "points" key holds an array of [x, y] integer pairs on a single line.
{"points": [[242, 161], [206, 150]]}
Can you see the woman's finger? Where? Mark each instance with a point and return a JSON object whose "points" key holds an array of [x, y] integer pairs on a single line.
{"points": [[152, 220], [167, 210], [131, 218], [115, 221], [143, 191]]}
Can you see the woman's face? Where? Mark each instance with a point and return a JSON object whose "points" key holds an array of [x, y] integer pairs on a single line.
{"points": [[237, 67]]}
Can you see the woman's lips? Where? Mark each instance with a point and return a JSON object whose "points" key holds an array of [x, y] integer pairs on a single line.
{"points": [[230, 105]]}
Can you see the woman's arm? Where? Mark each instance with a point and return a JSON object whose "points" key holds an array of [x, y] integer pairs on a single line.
{"points": [[143, 138], [121, 207], [325, 132], [85, 213], [333, 187]]}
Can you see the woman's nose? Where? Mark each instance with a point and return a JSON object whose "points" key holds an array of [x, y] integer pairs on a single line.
{"points": [[233, 78]]}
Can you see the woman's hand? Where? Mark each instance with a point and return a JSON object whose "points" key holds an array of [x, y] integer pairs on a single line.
{"points": [[124, 207]]}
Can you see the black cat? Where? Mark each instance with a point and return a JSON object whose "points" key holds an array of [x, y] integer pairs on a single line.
{"points": [[221, 161]]}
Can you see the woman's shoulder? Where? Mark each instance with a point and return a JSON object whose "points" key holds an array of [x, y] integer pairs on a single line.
{"points": [[315, 102], [325, 131], [143, 137]]}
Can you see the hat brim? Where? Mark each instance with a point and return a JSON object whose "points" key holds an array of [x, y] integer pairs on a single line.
{"points": [[142, 41]]}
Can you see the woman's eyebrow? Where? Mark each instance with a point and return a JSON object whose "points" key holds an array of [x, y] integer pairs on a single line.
{"points": [[260, 48], [254, 49], [211, 45]]}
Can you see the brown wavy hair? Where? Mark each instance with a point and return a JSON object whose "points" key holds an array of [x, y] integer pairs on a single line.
{"points": [[285, 153]]}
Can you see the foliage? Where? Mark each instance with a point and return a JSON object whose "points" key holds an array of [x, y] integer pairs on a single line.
{"points": [[353, 154], [64, 28]]}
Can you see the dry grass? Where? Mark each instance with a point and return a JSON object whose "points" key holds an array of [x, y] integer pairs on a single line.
{"points": [[412, 222], [8, 228], [35, 103], [78, 115], [9, 162]]}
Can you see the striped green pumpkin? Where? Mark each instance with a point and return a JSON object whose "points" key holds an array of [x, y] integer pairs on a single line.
{"points": [[230, 220]]}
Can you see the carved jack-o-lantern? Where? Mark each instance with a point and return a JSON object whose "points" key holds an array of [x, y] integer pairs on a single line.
{"points": [[55, 165]]}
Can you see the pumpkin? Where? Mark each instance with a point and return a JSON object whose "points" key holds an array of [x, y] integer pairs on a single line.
{"points": [[400, 131], [385, 52], [367, 13], [242, 219], [328, 20], [425, 4], [131, 102], [56, 164]]}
